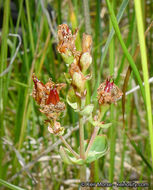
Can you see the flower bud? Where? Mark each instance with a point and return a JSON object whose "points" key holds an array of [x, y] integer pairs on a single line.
{"points": [[78, 80], [85, 61]]}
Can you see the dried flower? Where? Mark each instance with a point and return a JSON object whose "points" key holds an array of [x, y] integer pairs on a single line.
{"points": [[38, 90], [66, 40], [47, 96], [108, 92], [56, 129], [51, 110]]}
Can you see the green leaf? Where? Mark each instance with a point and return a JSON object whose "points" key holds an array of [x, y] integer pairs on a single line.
{"points": [[105, 126], [9, 185], [64, 156], [87, 110], [98, 123], [71, 99], [93, 122], [98, 149], [68, 158]]}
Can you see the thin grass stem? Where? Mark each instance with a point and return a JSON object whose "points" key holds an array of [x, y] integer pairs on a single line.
{"points": [[140, 27]]}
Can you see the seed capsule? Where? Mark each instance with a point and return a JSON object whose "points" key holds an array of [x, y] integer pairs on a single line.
{"points": [[108, 92]]}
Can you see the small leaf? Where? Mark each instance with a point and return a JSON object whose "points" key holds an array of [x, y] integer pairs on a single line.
{"points": [[64, 155], [98, 149], [73, 159], [98, 123], [104, 126], [93, 122], [68, 158], [71, 99], [87, 110]]}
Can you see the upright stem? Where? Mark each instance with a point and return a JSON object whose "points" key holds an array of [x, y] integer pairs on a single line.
{"points": [[82, 149], [81, 132], [86, 16], [83, 175]]}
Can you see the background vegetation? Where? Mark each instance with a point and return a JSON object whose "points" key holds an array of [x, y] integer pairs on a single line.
{"points": [[29, 155]]}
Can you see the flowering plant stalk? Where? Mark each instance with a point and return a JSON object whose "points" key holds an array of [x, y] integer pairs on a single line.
{"points": [[47, 97]]}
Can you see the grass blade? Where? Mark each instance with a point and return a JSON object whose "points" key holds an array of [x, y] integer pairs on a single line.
{"points": [[144, 69], [112, 131], [3, 89], [9, 185]]}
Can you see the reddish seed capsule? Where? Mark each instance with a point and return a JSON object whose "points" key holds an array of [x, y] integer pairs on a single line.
{"points": [[108, 92], [35, 80], [53, 97], [109, 86], [47, 97]]}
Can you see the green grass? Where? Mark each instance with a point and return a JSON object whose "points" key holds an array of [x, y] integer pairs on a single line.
{"points": [[112, 109], [9, 185], [116, 27], [140, 26], [3, 81]]}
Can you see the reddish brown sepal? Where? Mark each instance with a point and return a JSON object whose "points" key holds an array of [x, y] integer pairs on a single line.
{"points": [[53, 97]]}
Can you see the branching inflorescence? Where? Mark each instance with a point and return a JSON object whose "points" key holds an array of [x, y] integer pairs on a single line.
{"points": [[47, 97]]}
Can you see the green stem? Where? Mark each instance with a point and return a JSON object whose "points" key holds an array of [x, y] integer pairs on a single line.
{"points": [[87, 16], [83, 174], [82, 148], [81, 131], [69, 147], [145, 69]]}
